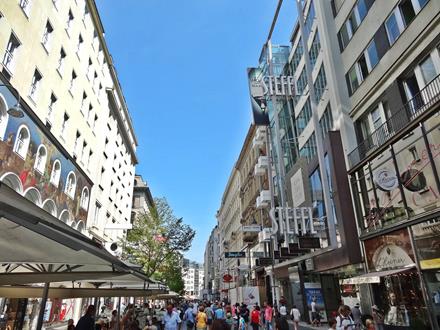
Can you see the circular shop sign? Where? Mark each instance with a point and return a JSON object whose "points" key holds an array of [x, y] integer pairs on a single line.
{"points": [[385, 179]]}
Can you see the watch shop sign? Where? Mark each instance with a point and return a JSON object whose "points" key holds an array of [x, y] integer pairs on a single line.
{"points": [[385, 179]]}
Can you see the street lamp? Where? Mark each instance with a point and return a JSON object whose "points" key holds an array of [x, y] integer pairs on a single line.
{"points": [[16, 110]]}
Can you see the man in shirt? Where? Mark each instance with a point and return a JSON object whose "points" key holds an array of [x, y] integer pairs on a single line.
{"points": [[189, 318], [219, 313], [171, 320], [87, 321]]}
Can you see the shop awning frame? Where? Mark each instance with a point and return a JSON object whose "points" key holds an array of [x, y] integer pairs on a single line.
{"points": [[374, 277]]}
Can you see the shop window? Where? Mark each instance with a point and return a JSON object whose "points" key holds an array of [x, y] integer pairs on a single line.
{"points": [[41, 158], [56, 173], [70, 185], [22, 141], [365, 198]]}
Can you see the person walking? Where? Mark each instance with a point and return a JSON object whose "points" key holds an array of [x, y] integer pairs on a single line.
{"points": [[357, 316], [316, 318], [114, 320], [295, 316], [209, 314], [70, 325], [344, 320], [268, 316], [201, 319], [255, 318], [219, 313], [171, 319], [188, 316], [87, 321], [378, 317]]}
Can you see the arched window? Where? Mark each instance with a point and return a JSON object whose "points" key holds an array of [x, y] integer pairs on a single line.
{"points": [[13, 181], [50, 207], [40, 159], [56, 173], [33, 195], [85, 198], [80, 226], [22, 141], [65, 216], [3, 117], [70, 185]]}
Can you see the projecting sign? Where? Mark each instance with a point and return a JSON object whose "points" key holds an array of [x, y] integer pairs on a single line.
{"points": [[309, 242], [263, 262], [239, 254], [251, 229], [258, 254], [297, 184]]}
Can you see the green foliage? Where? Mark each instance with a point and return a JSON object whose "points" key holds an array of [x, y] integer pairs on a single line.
{"points": [[171, 274], [157, 240]]}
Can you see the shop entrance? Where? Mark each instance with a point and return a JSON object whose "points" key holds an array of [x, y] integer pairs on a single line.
{"points": [[332, 294]]}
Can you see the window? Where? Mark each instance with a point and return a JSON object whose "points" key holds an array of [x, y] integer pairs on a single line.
{"points": [[353, 22], [51, 107], [83, 103], [308, 151], [97, 214], [56, 173], [308, 23], [407, 11], [372, 55], [11, 53], [394, 26], [84, 203], [89, 113], [33, 92], [26, 6], [301, 83], [94, 121], [70, 185], [428, 70], [69, 22], [87, 162], [64, 125], [326, 121], [72, 82], [79, 46], [297, 55], [47, 36], [83, 152], [22, 141], [314, 49], [89, 69], [86, 11], [77, 145], [41, 158], [61, 61], [303, 117], [320, 84]]}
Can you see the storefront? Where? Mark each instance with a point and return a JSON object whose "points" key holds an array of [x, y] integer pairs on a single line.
{"points": [[395, 281]]}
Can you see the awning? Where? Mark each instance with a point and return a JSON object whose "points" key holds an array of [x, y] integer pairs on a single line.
{"points": [[374, 277], [36, 247]]}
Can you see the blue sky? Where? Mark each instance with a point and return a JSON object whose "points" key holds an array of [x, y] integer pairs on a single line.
{"points": [[182, 66]]}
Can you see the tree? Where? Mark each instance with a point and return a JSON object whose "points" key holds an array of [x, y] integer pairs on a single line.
{"points": [[157, 237], [171, 273]]}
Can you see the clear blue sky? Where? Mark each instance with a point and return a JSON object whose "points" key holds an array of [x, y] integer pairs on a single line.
{"points": [[182, 65]]}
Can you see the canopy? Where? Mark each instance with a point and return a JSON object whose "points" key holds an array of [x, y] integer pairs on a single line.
{"points": [[38, 248], [374, 277]]}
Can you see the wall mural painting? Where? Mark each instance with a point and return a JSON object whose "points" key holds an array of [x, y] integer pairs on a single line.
{"points": [[35, 168]]}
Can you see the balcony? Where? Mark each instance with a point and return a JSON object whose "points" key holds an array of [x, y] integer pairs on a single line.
{"points": [[413, 110]]}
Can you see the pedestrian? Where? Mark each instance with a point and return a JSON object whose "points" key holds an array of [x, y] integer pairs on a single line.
{"points": [[220, 325], [114, 320], [344, 320], [219, 313], [201, 319], [188, 316], [316, 318], [171, 319], [87, 321], [70, 325], [378, 317], [209, 314], [281, 323], [229, 320], [268, 316], [357, 316], [332, 324], [295, 316], [283, 309], [255, 318]]}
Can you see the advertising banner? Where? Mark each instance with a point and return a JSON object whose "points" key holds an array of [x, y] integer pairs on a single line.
{"points": [[313, 292], [258, 101], [251, 295]]}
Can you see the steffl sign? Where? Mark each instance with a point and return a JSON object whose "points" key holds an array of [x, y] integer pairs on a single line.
{"points": [[273, 86]]}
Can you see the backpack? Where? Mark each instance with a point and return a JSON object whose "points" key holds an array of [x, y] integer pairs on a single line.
{"points": [[208, 312]]}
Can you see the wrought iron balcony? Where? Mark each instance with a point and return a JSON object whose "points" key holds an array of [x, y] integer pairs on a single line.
{"points": [[396, 124]]}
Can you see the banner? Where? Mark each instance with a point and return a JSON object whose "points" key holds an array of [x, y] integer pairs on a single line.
{"points": [[258, 101], [313, 293]]}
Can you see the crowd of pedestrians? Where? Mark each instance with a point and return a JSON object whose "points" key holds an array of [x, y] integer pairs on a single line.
{"points": [[224, 316]]}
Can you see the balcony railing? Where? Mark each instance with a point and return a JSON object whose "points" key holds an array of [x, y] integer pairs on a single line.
{"points": [[413, 109]]}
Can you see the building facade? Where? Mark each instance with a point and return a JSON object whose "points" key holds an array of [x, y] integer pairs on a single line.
{"points": [[193, 277], [391, 62], [69, 147], [211, 267], [142, 198]]}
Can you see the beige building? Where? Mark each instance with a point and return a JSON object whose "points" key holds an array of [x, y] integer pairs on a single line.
{"points": [[54, 54]]}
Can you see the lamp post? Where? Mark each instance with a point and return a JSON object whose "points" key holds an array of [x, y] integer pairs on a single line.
{"points": [[16, 110]]}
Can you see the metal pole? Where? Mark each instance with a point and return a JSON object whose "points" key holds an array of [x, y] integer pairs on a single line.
{"points": [[42, 306], [331, 225], [119, 313]]}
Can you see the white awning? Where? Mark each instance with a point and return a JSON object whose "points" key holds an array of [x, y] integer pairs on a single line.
{"points": [[374, 277]]}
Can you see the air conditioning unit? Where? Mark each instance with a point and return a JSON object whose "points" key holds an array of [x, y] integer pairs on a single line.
{"points": [[259, 171]]}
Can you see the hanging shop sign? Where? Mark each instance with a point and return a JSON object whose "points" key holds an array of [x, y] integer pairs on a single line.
{"points": [[238, 254], [263, 262], [251, 229], [427, 243], [309, 242], [385, 179], [389, 251], [258, 101], [227, 278], [297, 184]]}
